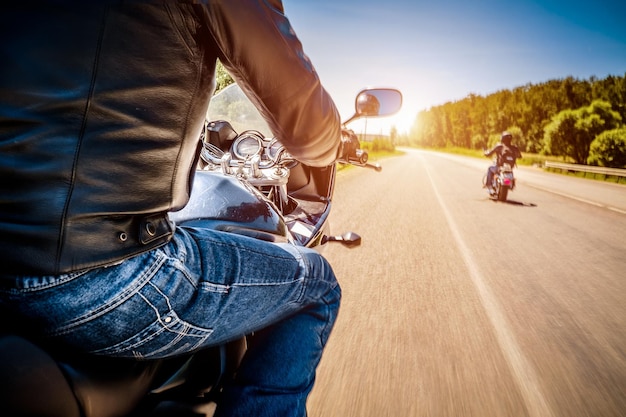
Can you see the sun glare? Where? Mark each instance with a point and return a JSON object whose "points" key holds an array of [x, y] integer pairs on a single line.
{"points": [[401, 121]]}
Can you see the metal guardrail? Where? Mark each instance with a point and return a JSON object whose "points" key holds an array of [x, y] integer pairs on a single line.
{"points": [[587, 168]]}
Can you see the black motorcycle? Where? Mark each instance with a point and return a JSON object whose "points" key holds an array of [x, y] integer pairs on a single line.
{"points": [[502, 182], [246, 183]]}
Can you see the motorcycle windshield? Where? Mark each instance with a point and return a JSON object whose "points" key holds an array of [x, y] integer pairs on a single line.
{"points": [[310, 187], [231, 104]]}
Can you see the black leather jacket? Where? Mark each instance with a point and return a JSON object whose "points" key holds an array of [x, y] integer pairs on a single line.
{"points": [[101, 108], [502, 151]]}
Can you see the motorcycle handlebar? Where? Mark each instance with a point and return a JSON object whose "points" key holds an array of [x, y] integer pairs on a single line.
{"points": [[359, 158]]}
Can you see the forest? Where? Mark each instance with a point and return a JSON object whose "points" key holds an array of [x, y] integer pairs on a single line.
{"points": [[580, 121]]}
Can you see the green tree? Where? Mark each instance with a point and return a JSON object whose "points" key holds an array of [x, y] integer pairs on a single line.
{"points": [[393, 135], [470, 122], [222, 78], [609, 149], [571, 132], [558, 134]]}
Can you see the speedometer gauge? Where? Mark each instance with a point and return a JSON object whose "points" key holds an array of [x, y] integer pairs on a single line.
{"points": [[278, 154], [247, 145], [274, 149]]}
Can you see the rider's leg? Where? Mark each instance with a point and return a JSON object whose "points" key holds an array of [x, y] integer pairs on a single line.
{"points": [[278, 370], [490, 174], [202, 288]]}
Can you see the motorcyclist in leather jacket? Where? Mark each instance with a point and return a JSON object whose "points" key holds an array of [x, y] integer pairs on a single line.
{"points": [[102, 103], [505, 152]]}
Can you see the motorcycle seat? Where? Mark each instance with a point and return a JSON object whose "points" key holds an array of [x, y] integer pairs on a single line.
{"points": [[36, 383], [33, 383]]}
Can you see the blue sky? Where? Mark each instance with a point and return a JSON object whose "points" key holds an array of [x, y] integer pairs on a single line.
{"points": [[442, 50]]}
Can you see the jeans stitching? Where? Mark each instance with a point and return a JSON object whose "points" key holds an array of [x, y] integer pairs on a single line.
{"points": [[41, 283], [120, 299]]}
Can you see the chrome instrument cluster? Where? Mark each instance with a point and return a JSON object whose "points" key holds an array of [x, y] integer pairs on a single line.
{"points": [[260, 160], [248, 144]]}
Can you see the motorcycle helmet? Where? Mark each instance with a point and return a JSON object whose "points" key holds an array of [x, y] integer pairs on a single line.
{"points": [[506, 138]]}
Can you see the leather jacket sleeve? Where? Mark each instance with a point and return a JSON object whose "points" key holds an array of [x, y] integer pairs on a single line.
{"points": [[258, 46], [101, 109], [495, 149]]}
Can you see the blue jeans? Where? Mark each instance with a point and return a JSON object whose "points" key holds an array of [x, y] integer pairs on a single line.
{"points": [[490, 173], [201, 289]]}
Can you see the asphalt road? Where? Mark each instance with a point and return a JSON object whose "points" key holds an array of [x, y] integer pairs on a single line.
{"points": [[456, 305]]}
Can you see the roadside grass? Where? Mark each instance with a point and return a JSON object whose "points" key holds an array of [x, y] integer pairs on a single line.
{"points": [[373, 157], [537, 160], [589, 175], [529, 159], [376, 155]]}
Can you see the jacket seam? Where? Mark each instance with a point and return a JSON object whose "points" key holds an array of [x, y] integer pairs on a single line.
{"points": [[81, 135]]}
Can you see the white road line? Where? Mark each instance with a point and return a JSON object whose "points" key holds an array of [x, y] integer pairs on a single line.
{"points": [[523, 371], [573, 197]]}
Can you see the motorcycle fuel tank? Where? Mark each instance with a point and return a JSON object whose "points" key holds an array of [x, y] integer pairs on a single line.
{"points": [[224, 203]]}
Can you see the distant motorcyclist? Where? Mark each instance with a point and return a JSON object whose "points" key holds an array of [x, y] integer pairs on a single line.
{"points": [[505, 153]]}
